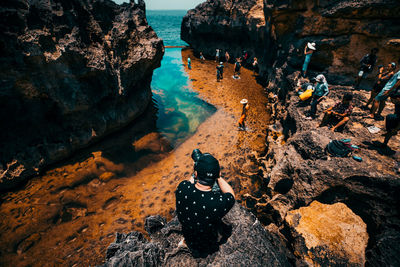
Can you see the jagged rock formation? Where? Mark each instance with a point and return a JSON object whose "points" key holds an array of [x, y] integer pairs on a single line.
{"points": [[297, 168], [343, 30], [230, 25], [249, 245], [328, 235], [71, 72], [277, 31]]}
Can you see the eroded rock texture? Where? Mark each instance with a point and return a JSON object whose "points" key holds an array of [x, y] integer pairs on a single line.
{"points": [[70, 72], [248, 245], [230, 25], [328, 235], [277, 31], [297, 168]]}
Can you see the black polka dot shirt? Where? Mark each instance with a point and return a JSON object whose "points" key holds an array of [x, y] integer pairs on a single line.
{"points": [[200, 211]]}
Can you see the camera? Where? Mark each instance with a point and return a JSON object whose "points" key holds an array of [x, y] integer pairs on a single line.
{"points": [[196, 154]]}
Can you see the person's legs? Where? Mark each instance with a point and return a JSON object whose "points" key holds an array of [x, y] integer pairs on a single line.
{"points": [[382, 105], [374, 93], [313, 109], [392, 122], [305, 65], [341, 123], [325, 119], [374, 107]]}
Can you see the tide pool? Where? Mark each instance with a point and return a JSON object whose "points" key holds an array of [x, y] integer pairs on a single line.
{"points": [[180, 110]]}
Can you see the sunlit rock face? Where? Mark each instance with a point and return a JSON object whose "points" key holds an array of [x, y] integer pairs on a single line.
{"points": [[328, 235], [70, 72]]}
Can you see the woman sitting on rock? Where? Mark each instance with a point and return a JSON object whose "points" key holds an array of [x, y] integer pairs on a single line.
{"points": [[339, 114]]}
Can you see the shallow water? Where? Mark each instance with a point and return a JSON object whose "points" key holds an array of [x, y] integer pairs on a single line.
{"points": [[180, 109]]}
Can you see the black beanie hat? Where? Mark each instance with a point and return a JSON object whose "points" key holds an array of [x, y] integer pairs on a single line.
{"points": [[207, 168]]}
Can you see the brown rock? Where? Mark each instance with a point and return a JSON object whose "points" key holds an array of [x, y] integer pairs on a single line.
{"points": [[328, 235]]}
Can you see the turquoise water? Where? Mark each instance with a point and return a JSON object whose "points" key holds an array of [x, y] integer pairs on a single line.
{"points": [[167, 24], [180, 110]]}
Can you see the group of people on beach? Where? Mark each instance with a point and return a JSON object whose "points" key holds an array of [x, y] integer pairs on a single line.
{"points": [[238, 63], [387, 85]]}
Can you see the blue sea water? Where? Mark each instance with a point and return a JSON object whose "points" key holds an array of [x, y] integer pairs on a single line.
{"points": [[167, 25], [181, 111]]}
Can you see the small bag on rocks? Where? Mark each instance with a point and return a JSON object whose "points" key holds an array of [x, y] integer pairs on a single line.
{"points": [[339, 148]]}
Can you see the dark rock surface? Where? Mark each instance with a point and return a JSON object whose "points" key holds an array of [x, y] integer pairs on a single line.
{"points": [[297, 169], [249, 245], [230, 25], [277, 31], [368, 188], [70, 72]]}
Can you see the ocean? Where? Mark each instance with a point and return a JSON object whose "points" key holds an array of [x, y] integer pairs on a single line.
{"points": [[167, 25], [180, 110]]}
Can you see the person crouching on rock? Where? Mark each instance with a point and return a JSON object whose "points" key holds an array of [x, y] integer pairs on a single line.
{"points": [[339, 114], [199, 208], [320, 91], [243, 117]]}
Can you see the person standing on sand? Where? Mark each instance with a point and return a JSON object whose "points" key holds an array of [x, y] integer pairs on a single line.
{"points": [[217, 55], [255, 66], [189, 63], [308, 51], [201, 56], [200, 209], [227, 57], [236, 72], [243, 117], [220, 71]]}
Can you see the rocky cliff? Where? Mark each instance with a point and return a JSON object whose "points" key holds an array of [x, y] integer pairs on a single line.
{"points": [[70, 73], [277, 31], [297, 169], [231, 26], [249, 244]]}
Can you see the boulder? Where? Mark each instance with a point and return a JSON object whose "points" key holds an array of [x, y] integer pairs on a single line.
{"points": [[249, 244], [71, 72], [328, 235]]}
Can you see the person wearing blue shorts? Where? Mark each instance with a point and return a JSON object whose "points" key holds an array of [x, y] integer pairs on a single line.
{"points": [[308, 51]]}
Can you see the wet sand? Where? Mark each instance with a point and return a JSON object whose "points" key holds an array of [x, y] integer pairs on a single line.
{"points": [[70, 215]]}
